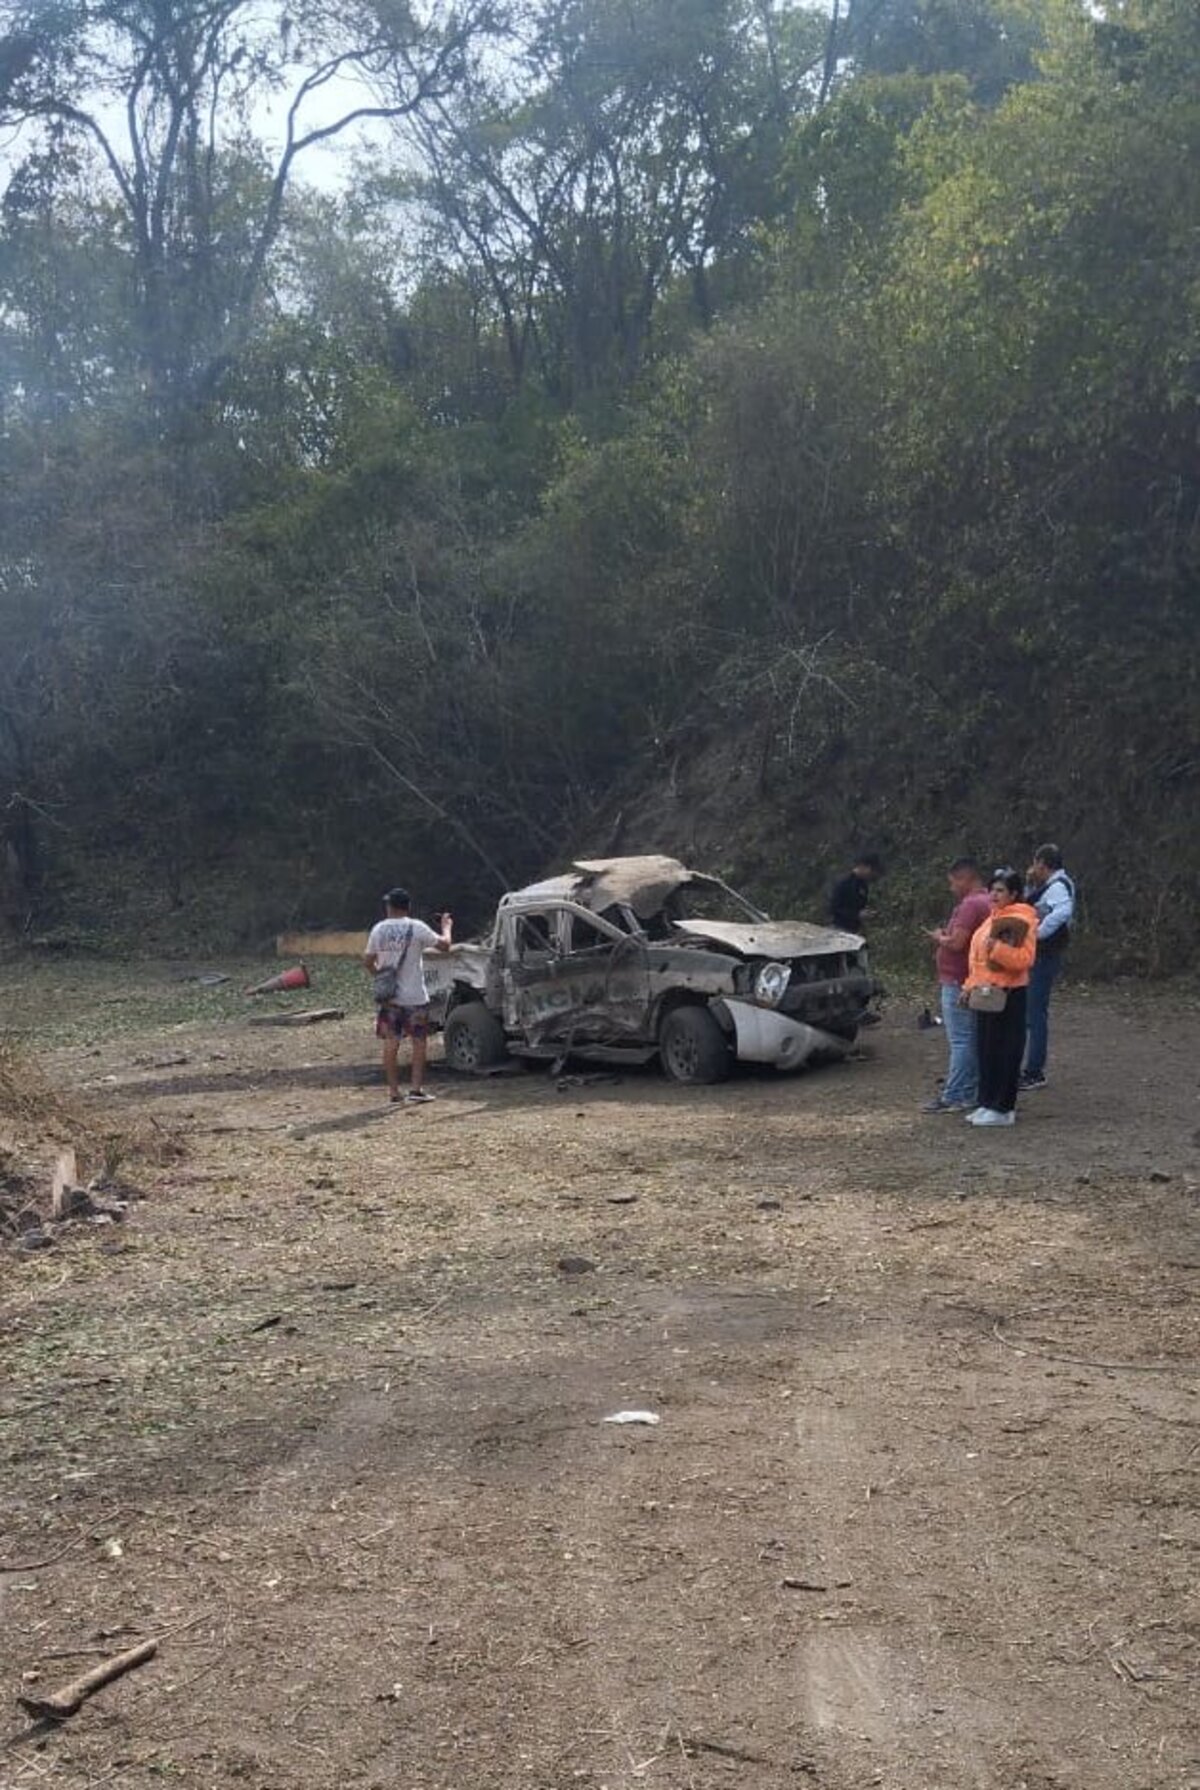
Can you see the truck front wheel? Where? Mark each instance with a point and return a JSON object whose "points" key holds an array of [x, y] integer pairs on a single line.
{"points": [[473, 1039], [692, 1047]]}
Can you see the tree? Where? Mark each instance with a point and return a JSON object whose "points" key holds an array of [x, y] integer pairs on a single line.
{"points": [[610, 154], [991, 43], [163, 97]]}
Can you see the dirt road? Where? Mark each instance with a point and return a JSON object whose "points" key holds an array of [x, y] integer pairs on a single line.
{"points": [[920, 1513]]}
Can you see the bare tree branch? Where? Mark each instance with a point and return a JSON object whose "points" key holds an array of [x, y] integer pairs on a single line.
{"points": [[172, 65]]}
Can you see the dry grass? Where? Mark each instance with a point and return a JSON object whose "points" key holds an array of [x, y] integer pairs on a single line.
{"points": [[26, 1106], [333, 1394], [37, 1122], [26, 1098]]}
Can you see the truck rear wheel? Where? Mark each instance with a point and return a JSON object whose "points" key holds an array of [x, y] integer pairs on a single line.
{"points": [[692, 1047], [473, 1039]]}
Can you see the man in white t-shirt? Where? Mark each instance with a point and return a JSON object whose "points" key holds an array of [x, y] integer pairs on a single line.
{"points": [[394, 958]]}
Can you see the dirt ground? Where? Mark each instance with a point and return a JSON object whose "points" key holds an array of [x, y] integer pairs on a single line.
{"points": [[327, 1415]]}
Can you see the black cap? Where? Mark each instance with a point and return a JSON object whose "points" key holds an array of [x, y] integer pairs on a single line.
{"points": [[398, 898]]}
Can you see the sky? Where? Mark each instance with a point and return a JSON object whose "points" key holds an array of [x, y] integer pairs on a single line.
{"points": [[327, 165]]}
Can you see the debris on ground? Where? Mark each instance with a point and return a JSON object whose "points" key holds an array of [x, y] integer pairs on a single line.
{"points": [[311, 1016], [651, 1418], [576, 1264], [42, 1186], [445, 1372], [68, 1199], [63, 1183], [60, 1705]]}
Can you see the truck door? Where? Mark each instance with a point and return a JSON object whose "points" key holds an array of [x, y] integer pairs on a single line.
{"points": [[571, 977], [531, 948], [603, 972]]}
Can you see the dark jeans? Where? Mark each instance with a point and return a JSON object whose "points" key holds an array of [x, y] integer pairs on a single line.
{"points": [[1001, 1038], [1041, 985]]}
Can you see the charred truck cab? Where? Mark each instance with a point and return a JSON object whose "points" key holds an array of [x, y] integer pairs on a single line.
{"points": [[624, 959]]}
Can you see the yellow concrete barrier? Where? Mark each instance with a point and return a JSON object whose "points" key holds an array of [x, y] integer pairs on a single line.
{"points": [[320, 944]]}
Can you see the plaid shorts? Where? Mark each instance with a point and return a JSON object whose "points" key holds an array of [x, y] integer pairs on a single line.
{"points": [[401, 1022]]}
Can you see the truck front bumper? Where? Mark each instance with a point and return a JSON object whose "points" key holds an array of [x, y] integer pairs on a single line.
{"points": [[763, 1036]]}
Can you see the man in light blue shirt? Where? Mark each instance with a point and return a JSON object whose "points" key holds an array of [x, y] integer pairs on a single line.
{"points": [[1051, 892]]}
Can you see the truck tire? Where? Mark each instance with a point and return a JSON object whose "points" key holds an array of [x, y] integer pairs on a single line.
{"points": [[692, 1047], [473, 1039]]}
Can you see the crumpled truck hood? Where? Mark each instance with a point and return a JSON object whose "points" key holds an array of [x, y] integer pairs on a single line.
{"points": [[772, 938]]}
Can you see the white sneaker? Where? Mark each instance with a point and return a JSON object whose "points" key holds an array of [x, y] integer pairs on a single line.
{"points": [[974, 1114], [985, 1116]]}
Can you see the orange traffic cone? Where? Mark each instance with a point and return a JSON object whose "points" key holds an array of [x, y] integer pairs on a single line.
{"points": [[295, 978]]}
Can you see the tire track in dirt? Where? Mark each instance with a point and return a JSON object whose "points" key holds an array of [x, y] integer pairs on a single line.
{"points": [[371, 1503], [875, 1682]]}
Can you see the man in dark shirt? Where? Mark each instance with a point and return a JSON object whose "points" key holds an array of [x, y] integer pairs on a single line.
{"points": [[850, 894], [1051, 892]]}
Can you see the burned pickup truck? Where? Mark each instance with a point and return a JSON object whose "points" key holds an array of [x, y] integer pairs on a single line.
{"points": [[625, 959]]}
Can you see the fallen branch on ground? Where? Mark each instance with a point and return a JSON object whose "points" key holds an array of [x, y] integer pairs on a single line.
{"points": [[1190, 1369], [39, 1565], [692, 1744], [312, 1016], [59, 1706]]}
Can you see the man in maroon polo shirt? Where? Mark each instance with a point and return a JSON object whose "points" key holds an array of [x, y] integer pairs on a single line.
{"points": [[971, 909]]}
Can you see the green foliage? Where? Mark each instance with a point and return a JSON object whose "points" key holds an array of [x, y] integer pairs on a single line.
{"points": [[718, 432], [992, 43]]}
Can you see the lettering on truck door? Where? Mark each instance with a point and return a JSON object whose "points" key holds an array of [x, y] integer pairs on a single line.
{"points": [[572, 976], [605, 974]]}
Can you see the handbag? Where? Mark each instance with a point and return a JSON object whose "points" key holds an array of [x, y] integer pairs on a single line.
{"points": [[385, 982], [383, 986], [987, 999]]}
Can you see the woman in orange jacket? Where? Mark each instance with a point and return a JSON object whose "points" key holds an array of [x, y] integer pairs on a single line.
{"points": [[1000, 958]]}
